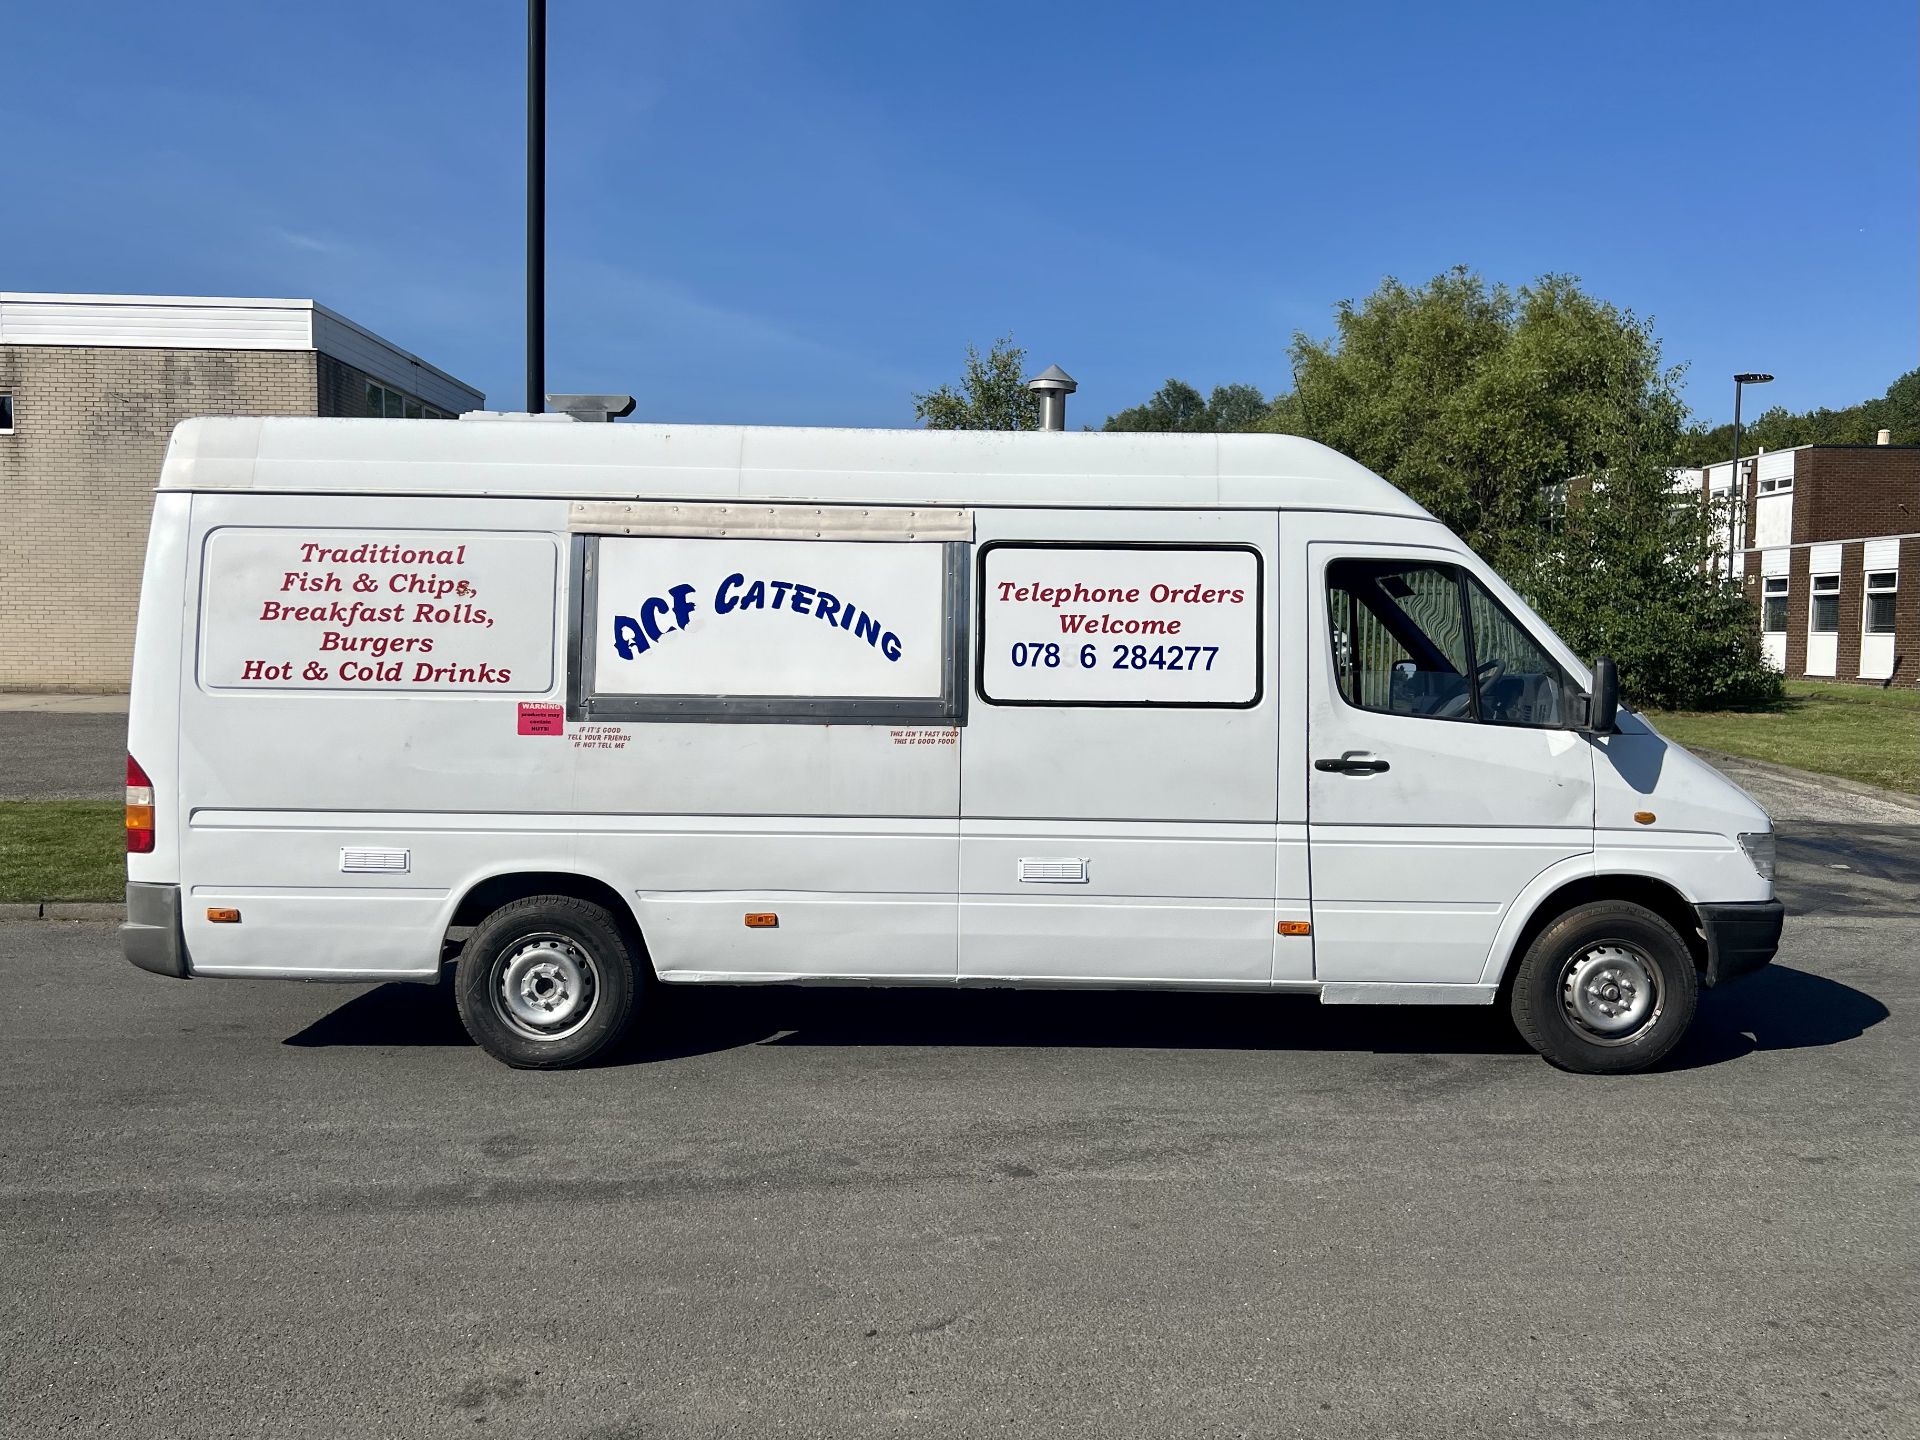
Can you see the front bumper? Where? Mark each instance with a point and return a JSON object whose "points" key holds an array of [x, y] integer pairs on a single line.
{"points": [[152, 937], [1740, 937]]}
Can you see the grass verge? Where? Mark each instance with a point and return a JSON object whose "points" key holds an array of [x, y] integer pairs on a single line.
{"points": [[62, 850], [1858, 732]]}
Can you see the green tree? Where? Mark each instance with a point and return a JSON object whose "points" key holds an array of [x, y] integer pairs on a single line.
{"points": [[992, 394], [1778, 428], [1473, 397], [1177, 407], [1234, 408], [1484, 402], [1629, 570]]}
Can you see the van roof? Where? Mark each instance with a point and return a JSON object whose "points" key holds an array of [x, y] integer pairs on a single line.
{"points": [[561, 458]]}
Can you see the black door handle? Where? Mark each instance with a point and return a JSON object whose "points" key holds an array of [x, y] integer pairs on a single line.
{"points": [[1355, 764]]}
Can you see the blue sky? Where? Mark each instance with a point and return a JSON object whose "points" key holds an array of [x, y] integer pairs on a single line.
{"points": [[802, 213]]}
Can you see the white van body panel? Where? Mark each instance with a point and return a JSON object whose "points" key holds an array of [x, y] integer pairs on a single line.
{"points": [[1052, 843], [1174, 813], [153, 706], [1415, 869], [546, 457], [1699, 813]]}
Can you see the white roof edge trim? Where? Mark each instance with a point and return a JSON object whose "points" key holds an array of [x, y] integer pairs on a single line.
{"points": [[793, 521], [252, 301]]}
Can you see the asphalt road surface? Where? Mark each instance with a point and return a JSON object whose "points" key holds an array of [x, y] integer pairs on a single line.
{"points": [[266, 1209], [53, 756]]}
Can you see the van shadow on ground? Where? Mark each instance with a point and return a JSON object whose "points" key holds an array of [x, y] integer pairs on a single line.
{"points": [[1779, 1008]]}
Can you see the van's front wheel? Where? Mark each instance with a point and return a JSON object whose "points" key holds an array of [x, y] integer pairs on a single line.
{"points": [[1606, 989], [546, 982]]}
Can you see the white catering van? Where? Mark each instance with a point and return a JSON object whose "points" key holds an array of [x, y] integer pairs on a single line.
{"points": [[604, 707]]}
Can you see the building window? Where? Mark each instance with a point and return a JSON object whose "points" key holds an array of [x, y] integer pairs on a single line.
{"points": [[1825, 619], [1881, 587], [1776, 486], [384, 402], [1556, 497], [6, 413], [1773, 605]]}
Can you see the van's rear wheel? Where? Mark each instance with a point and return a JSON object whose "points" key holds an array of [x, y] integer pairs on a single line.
{"points": [[1606, 989], [546, 982]]}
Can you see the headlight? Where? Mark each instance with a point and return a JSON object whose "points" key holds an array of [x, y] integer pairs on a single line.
{"points": [[1759, 847]]}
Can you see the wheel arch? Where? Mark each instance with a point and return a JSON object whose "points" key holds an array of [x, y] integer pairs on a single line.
{"points": [[489, 892], [1554, 895]]}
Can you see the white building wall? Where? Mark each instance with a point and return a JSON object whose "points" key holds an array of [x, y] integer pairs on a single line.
{"points": [[1773, 520]]}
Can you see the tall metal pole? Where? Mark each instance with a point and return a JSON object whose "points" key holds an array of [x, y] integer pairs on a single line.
{"points": [[536, 206], [1736, 497]]}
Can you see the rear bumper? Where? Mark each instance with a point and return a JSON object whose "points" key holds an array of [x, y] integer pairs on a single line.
{"points": [[1740, 937], [151, 937]]}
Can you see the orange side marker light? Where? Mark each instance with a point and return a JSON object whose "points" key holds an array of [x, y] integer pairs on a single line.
{"points": [[1643, 817], [1296, 927], [223, 915], [762, 920]]}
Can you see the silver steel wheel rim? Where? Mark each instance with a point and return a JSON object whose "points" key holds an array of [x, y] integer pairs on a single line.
{"points": [[1610, 992], [546, 987]]}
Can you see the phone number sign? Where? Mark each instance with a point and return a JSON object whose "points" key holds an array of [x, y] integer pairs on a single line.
{"points": [[1120, 625]]}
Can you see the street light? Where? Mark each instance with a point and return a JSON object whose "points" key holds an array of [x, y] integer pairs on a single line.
{"points": [[536, 206], [1736, 497]]}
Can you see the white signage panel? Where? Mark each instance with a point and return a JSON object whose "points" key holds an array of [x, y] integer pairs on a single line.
{"points": [[1120, 625], [433, 611], [769, 618]]}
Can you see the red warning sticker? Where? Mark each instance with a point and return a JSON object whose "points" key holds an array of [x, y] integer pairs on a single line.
{"points": [[542, 719]]}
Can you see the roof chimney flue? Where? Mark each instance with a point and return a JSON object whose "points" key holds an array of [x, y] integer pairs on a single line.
{"points": [[1885, 437], [1052, 386]]}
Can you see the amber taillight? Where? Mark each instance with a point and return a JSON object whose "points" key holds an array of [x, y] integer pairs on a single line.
{"points": [[139, 809]]}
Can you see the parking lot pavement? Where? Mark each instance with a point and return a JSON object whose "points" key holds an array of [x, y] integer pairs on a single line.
{"points": [[1798, 796], [55, 755], [268, 1209]]}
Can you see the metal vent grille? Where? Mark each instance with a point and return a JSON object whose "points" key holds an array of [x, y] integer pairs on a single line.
{"points": [[366, 860], [1053, 872]]}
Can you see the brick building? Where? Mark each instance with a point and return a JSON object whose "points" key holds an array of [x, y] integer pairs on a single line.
{"points": [[1827, 542], [91, 386]]}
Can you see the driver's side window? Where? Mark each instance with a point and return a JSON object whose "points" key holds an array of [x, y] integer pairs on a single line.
{"points": [[1425, 639]]}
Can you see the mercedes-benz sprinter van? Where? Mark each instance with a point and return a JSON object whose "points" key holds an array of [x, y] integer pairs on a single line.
{"points": [[601, 708]]}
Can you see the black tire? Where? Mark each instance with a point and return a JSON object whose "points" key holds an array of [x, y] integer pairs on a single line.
{"points": [[571, 973], [1582, 996]]}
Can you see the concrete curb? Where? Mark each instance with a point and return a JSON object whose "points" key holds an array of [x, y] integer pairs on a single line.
{"points": [[62, 703], [1718, 758], [64, 910]]}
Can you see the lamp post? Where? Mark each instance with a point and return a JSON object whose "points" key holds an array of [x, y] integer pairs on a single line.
{"points": [[1736, 495], [536, 206]]}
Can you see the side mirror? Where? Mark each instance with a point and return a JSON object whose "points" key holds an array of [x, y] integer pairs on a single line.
{"points": [[1603, 705]]}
